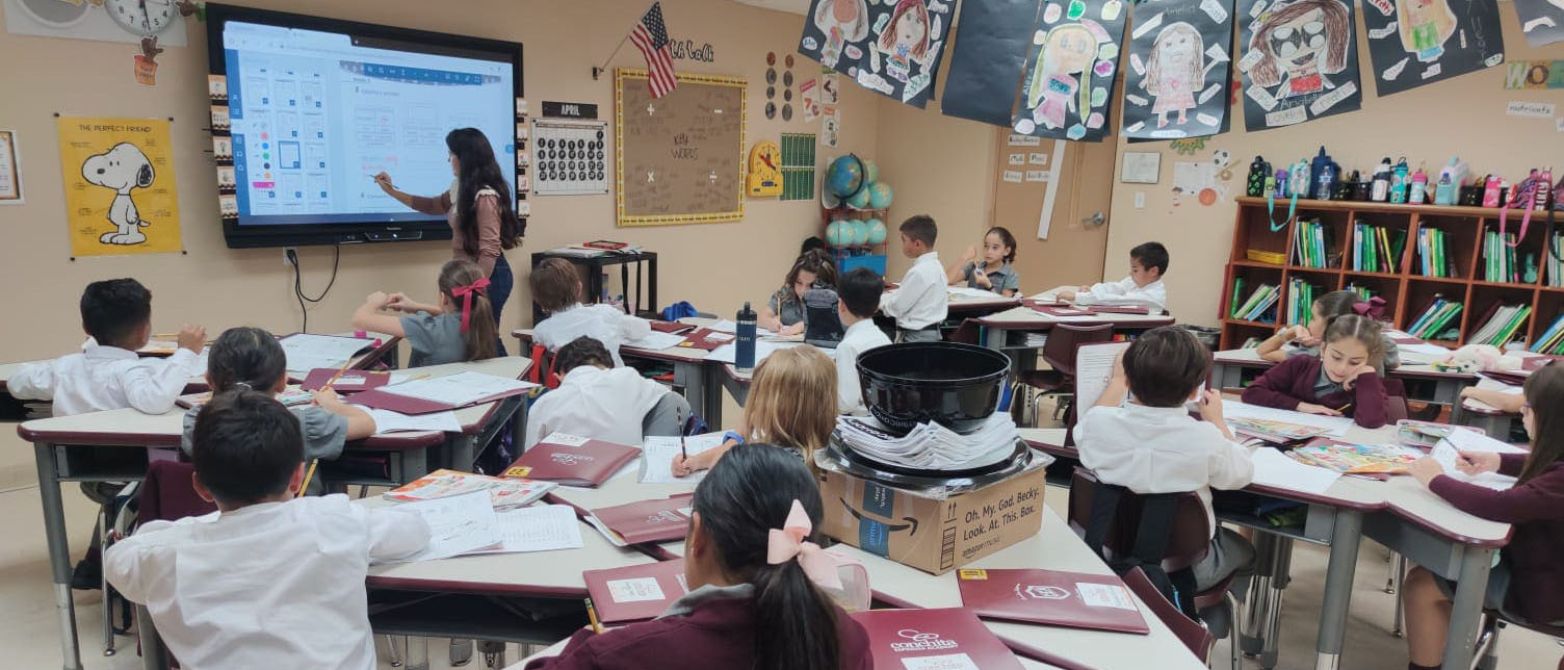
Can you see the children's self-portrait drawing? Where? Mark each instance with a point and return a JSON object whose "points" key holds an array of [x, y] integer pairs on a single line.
{"points": [[891, 46], [1070, 70], [1176, 85], [1299, 61]]}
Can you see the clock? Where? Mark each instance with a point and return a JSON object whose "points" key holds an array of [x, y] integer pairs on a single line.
{"points": [[142, 17]]}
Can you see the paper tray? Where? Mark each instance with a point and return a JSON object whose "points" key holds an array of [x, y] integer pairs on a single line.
{"points": [[839, 457]]}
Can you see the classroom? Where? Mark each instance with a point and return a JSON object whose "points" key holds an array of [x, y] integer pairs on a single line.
{"points": [[782, 333]]}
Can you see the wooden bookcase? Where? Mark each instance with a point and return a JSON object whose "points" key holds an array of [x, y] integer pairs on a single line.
{"points": [[1406, 291]]}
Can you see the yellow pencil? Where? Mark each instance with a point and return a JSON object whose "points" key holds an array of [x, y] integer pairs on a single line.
{"points": [[597, 627], [308, 475], [337, 376]]}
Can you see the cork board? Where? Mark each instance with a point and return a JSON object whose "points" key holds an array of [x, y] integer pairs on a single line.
{"points": [[680, 158]]}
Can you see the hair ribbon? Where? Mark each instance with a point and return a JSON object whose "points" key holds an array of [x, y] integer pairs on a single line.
{"points": [[466, 293], [1373, 308], [788, 543]]}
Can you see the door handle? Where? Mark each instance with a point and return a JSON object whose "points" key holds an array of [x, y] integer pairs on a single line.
{"points": [[1095, 220]]}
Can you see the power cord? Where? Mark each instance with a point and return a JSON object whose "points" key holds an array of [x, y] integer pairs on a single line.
{"points": [[298, 283]]}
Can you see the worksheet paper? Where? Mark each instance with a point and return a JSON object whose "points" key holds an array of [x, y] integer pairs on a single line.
{"points": [[1337, 425], [457, 525], [763, 348], [971, 293], [656, 341], [387, 421], [306, 352], [1447, 455], [1470, 440], [538, 528], [1274, 468], [657, 454], [1422, 353], [1093, 369], [459, 390]]}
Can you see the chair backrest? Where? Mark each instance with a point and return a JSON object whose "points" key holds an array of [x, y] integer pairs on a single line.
{"points": [[168, 493], [542, 370], [967, 333], [1194, 635], [1166, 533], [1396, 401], [1065, 338]]}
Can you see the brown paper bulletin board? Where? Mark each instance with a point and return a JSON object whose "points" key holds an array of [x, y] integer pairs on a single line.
{"points": [[679, 158]]}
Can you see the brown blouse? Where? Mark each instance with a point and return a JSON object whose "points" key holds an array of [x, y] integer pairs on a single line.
{"points": [[489, 247]]}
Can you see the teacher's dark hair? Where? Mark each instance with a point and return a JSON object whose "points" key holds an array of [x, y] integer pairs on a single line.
{"points": [[479, 170], [749, 492]]}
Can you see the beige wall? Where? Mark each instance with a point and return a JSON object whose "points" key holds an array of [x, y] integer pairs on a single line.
{"points": [[713, 266], [1463, 116]]}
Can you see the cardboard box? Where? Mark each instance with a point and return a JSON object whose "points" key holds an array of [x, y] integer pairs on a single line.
{"points": [[928, 532]]}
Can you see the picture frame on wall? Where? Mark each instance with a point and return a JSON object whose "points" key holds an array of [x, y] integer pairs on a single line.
{"points": [[1141, 167]]}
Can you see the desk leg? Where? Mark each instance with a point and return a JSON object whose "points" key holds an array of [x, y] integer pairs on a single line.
{"points": [[518, 425], [1346, 535], [462, 451], [1225, 376], [1467, 611], [706, 393], [152, 651], [59, 552], [1262, 618], [994, 338]]}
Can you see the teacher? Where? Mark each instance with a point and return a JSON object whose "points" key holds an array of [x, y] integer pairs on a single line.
{"points": [[483, 219]]}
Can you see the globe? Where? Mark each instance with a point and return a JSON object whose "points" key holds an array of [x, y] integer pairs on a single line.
{"points": [[858, 233], [880, 195], [876, 231], [845, 176], [871, 171], [833, 234], [859, 200]]}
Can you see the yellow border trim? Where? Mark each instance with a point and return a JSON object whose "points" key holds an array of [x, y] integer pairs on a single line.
{"points": [[628, 221]]}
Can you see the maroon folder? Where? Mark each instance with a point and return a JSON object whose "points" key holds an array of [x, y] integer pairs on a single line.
{"points": [[1052, 598], [934, 638], [1119, 309], [698, 339], [587, 464], [637, 592], [382, 398], [351, 381], [656, 520], [671, 327]]}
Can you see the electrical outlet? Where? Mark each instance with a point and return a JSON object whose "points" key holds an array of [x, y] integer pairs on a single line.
{"points": [[289, 256], [1140, 200]]}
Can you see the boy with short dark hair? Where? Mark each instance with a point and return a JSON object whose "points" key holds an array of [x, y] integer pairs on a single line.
{"points": [[919, 304], [1148, 443], [599, 401], [556, 288], [859, 292], [1143, 286], [108, 373], [269, 580]]}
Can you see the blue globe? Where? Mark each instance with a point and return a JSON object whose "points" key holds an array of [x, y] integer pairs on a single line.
{"points": [[880, 195], [871, 170], [845, 176], [859, 200], [876, 231], [834, 234]]}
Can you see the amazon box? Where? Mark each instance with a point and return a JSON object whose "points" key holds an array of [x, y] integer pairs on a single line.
{"points": [[932, 531]]}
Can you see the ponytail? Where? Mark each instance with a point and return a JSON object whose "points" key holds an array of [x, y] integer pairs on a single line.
{"points": [[482, 334], [246, 358], [464, 286], [795, 624], [1544, 391]]}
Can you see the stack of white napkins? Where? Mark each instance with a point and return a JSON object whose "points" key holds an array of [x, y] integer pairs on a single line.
{"points": [[931, 446]]}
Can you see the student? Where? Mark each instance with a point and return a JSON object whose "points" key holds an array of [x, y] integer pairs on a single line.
{"points": [[1150, 444], [919, 305], [860, 295], [556, 288], [269, 580], [250, 359], [1300, 340], [1341, 381], [1527, 584], [792, 405], [1148, 263], [108, 373], [995, 273], [460, 328], [784, 311], [812, 243], [594, 398], [752, 602]]}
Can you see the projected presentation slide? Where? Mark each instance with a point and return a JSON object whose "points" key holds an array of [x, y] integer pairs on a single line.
{"points": [[315, 115]]}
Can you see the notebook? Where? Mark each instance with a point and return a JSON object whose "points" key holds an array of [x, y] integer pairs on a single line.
{"points": [[671, 327], [636, 592], [352, 381], [1052, 598], [441, 394], [706, 339], [656, 520], [504, 493], [1119, 309], [933, 639], [572, 460]]}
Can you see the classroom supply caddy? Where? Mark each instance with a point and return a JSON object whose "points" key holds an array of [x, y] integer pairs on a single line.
{"points": [[1449, 275]]}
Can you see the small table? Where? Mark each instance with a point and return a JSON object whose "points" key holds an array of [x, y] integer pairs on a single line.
{"points": [[596, 264], [1026, 319]]}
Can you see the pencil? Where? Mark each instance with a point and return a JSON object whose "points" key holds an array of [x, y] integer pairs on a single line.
{"points": [[679, 414], [1343, 408], [597, 627], [337, 376], [308, 475]]}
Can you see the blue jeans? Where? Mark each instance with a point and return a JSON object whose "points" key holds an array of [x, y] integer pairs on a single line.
{"points": [[501, 282]]}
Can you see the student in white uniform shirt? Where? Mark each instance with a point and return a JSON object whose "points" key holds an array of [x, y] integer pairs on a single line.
{"points": [[859, 294], [269, 580], [556, 288], [1143, 286], [108, 373], [1148, 443], [920, 303], [597, 400]]}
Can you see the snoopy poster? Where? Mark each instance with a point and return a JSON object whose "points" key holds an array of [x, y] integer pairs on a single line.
{"points": [[889, 46], [119, 186], [1070, 70], [1176, 84]]}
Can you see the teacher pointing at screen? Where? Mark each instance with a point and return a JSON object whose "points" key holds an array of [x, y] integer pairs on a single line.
{"points": [[478, 207]]}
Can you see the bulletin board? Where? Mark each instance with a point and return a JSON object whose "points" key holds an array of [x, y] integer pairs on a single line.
{"points": [[679, 158]]}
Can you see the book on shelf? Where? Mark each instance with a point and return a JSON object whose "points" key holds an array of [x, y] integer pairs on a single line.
{"points": [[1431, 254], [1551, 341], [1376, 248], [1300, 301], [1502, 324], [1258, 304], [1310, 244], [1554, 260], [1364, 293], [1436, 320], [1500, 263]]}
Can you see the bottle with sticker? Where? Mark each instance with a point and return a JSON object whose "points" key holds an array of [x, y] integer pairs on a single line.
{"points": [[1545, 197], [1298, 179], [1444, 191], [1259, 171], [1281, 182], [1324, 171], [1419, 191], [1491, 187], [1381, 190], [1399, 178]]}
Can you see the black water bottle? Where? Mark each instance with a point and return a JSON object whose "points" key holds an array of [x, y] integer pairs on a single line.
{"points": [[744, 346]]}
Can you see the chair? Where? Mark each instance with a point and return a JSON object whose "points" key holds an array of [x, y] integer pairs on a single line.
{"points": [[1166, 533], [1487, 651], [1396, 407], [1059, 352], [1194, 635]]}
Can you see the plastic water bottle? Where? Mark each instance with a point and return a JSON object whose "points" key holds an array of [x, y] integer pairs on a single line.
{"points": [[744, 345], [1381, 192], [1400, 178], [1419, 191]]}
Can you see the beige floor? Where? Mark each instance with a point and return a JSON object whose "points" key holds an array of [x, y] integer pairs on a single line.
{"points": [[29, 637]]}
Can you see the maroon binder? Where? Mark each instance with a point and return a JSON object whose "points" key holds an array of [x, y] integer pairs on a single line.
{"points": [[1052, 598], [697, 339], [671, 327], [637, 592], [381, 398], [954, 637], [1119, 309], [588, 464], [352, 381], [656, 520]]}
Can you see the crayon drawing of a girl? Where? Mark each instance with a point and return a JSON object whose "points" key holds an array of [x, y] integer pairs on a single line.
{"points": [[1175, 72], [905, 39], [1300, 43], [1054, 91], [1424, 26], [843, 22]]}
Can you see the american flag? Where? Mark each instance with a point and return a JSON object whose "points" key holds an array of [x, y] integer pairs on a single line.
{"points": [[651, 37]]}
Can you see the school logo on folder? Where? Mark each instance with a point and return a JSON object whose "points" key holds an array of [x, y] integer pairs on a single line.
{"points": [[1052, 598], [933, 639], [572, 461]]}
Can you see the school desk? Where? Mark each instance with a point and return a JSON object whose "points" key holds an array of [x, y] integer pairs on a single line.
{"points": [[1025, 319], [1228, 368], [113, 446], [1478, 414], [1399, 513], [559, 647], [623, 488]]}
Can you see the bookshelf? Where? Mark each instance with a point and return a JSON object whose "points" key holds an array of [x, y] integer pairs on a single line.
{"points": [[1456, 270]]}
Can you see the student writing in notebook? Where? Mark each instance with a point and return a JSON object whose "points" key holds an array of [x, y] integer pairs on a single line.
{"points": [[991, 270], [791, 405], [459, 328], [250, 359], [599, 401], [1528, 582], [557, 289], [859, 294], [920, 303], [756, 582], [784, 310], [1139, 436], [269, 580], [1341, 381], [1300, 340], [1143, 286]]}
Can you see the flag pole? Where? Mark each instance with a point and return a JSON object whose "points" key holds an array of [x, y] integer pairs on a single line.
{"points": [[600, 69]]}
